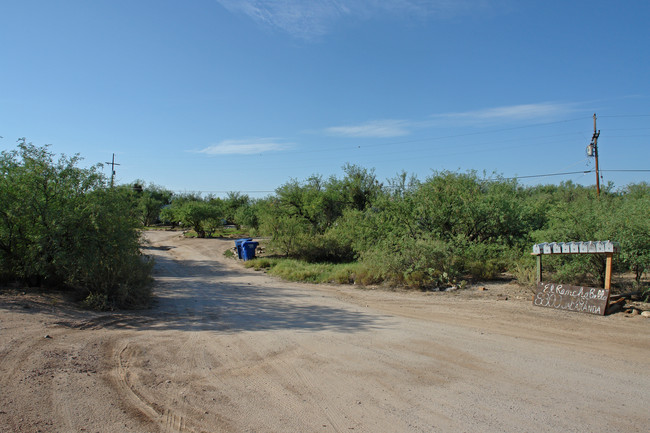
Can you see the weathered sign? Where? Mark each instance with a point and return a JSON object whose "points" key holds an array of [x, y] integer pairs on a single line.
{"points": [[571, 298]]}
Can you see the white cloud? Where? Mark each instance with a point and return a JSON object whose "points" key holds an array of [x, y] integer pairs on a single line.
{"points": [[300, 18], [310, 19], [387, 128], [542, 111], [374, 128], [244, 147]]}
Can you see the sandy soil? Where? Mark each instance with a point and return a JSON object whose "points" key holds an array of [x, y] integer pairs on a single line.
{"points": [[227, 349]]}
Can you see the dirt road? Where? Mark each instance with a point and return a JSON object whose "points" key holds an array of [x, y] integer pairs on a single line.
{"points": [[227, 349]]}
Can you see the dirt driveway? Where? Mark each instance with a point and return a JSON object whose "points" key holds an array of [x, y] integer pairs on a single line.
{"points": [[227, 349]]}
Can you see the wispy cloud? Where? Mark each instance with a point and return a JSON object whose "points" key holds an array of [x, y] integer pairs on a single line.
{"points": [[543, 111], [311, 19], [300, 18], [387, 128], [374, 129], [245, 147]]}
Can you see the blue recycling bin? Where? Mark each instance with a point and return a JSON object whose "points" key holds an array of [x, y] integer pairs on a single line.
{"points": [[238, 243], [248, 250]]}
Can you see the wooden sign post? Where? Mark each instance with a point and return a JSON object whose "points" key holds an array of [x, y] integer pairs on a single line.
{"points": [[573, 298]]}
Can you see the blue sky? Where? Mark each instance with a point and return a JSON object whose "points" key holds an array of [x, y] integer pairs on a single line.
{"points": [[244, 95]]}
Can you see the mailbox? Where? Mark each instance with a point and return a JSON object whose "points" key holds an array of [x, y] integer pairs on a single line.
{"points": [[548, 248], [611, 247], [592, 247]]}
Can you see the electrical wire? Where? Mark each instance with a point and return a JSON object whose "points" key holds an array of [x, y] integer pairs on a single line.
{"points": [[548, 175], [631, 170], [566, 173]]}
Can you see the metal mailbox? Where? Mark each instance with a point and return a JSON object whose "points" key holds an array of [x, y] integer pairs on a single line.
{"points": [[611, 247], [539, 248]]}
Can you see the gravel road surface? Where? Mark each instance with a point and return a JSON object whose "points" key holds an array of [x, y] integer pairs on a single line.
{"points": [[228, 349]]}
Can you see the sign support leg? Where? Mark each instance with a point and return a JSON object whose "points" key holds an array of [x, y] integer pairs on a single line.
{"points": [[608, 271]]}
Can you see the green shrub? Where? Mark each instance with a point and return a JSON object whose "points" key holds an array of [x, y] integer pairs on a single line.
{"points": [[261, 263], [484, 261], [61, 227], [98, 301], [525, 272], [368, 275], [415, 263], [344, 274]]}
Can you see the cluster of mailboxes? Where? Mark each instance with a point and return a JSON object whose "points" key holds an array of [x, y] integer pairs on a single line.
{"points": [[592, 247]]}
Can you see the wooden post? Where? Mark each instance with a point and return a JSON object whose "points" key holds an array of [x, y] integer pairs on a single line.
{"points": [[608, 271], [539, 268], [595, 142]]}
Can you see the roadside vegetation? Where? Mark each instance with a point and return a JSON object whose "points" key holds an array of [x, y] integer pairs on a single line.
{"points": [[62, 226], [423, 234]]}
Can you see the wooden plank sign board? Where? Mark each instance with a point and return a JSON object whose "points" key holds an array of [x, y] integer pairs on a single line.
{"points": [[571, 298]]}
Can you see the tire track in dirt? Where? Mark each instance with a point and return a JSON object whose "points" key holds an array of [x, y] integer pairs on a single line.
{"points": [[173, 395], [53, 383], [168, 400], [123, 382], [16, 375], [128, 357], [230, 350]]}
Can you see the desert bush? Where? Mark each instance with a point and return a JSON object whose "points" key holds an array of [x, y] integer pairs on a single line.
{"points": [[61, 227], [483, 260], [260, 263], [631, 227], [202, 216], [287, 232], [525, 271], [621, 217], [415, 263], [452, 225], [150, 201]]}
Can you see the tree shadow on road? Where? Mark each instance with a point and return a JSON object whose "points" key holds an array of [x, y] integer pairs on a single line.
{"points": [[209, 296], [204, 295]]}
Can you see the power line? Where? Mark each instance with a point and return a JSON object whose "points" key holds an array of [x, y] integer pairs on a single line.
{"points": [[566, 173], [632, 170], [627, 115], [547, 175]]}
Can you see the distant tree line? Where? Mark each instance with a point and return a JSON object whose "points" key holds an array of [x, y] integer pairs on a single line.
{"points": [[62, 226], [436, 232]]}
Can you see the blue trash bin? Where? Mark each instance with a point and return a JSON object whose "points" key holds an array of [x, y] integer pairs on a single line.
{"points": [[238, 243], [248, 250]]}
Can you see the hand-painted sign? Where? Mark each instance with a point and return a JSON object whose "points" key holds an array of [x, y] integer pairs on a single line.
{"points": [[571, 298]]}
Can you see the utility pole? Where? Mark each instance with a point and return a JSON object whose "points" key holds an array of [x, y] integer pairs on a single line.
{"points": [[592, 150], [113, 164]]}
